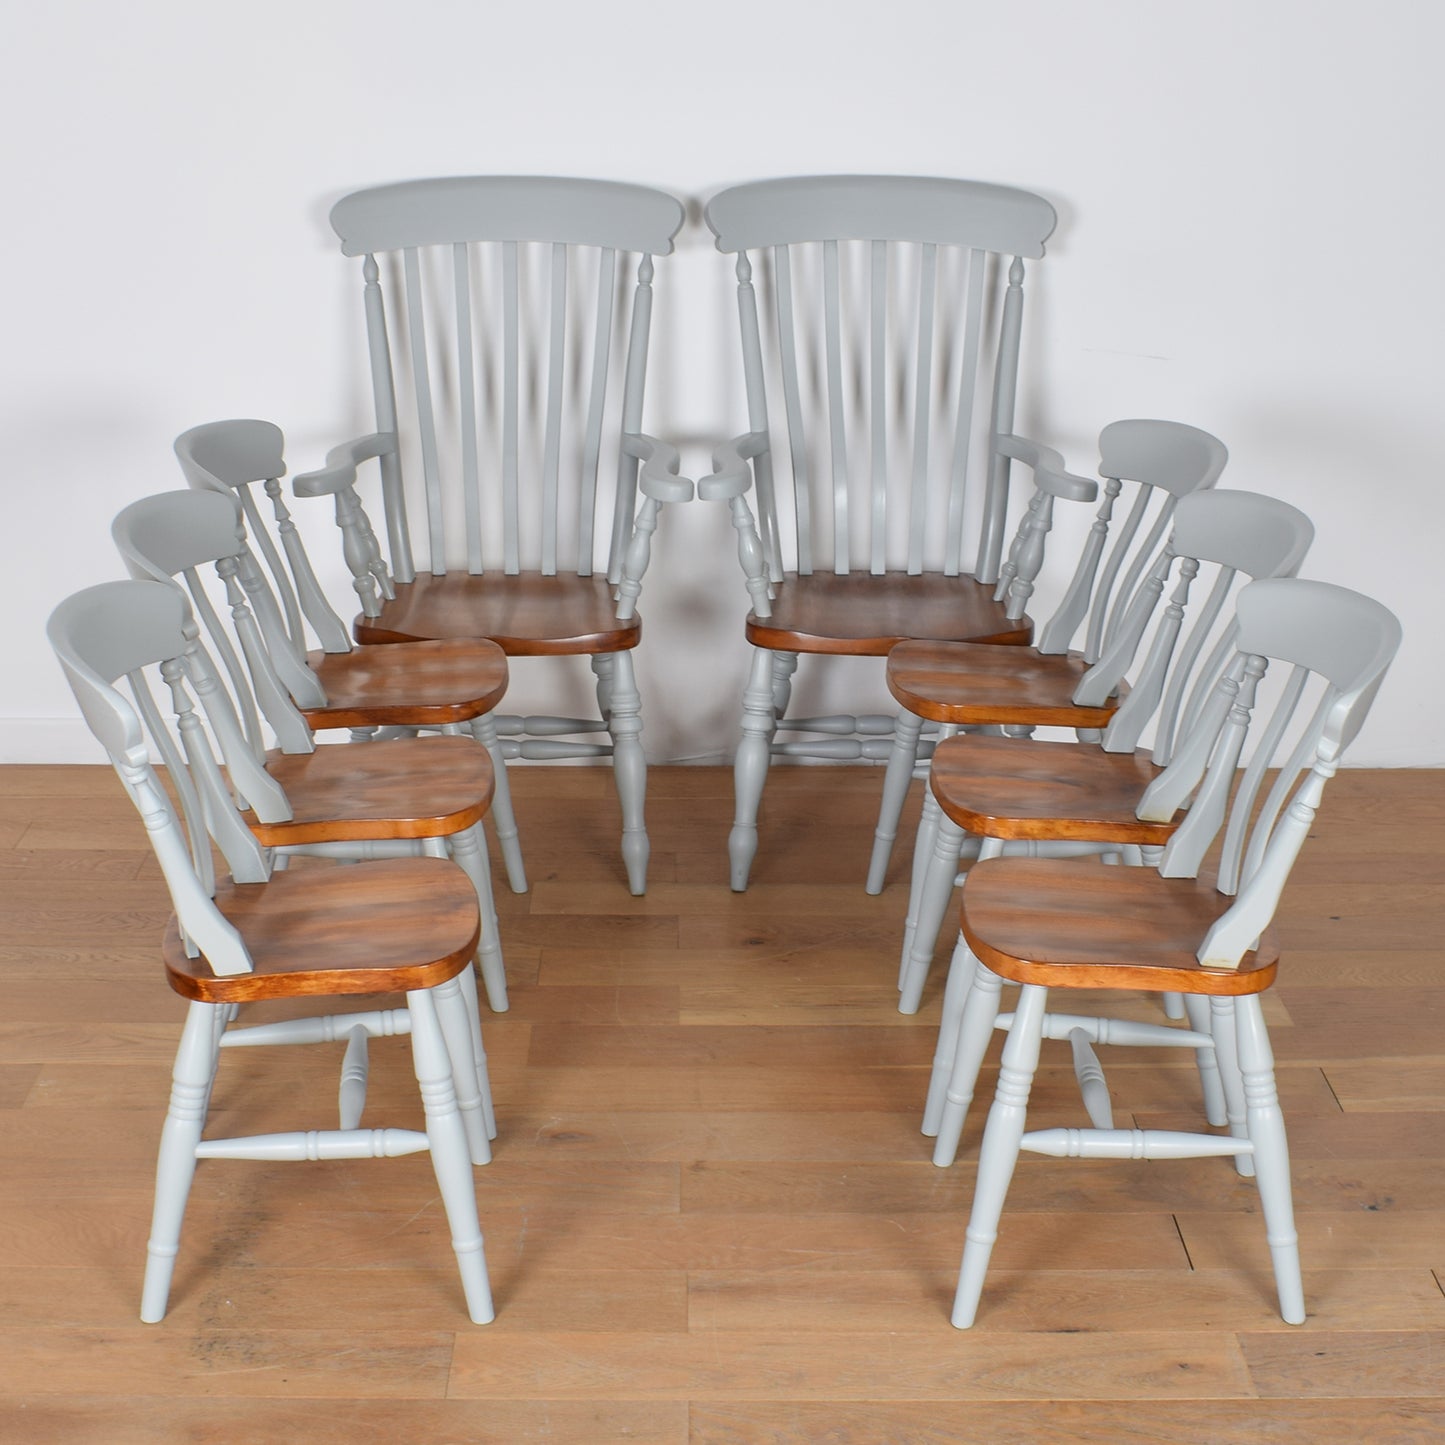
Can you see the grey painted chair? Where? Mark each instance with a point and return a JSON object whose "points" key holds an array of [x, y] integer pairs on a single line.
{"points": [[1180, 640], [424, 793], [507, 324], [1104, 612], [1051, 924], [881, 328], [445, 685], [406, 925]]}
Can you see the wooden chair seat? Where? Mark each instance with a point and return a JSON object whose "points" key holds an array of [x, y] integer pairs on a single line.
{"points": [[426, 685], [966, 683], [300, 929], [1017, 788], [426, 787], [526, 615], [1063, 923], [862, 615]]}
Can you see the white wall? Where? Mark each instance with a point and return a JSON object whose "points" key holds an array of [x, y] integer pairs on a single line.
{"points": [[1249, 204]]}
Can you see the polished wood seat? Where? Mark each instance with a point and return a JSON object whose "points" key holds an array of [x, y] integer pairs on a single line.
{"points": [[859, 615], [428, 685], [526, 615], [1018, 788], [968, 685], [429, 787]]}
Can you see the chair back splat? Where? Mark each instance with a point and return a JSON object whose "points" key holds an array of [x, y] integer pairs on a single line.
{"points": [[508, 323], [404, 925], [882, 324]]}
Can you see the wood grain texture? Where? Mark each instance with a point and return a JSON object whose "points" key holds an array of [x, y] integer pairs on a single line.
{"points": [[860, 615], [421, 684], [961, 682], [710, 1216], [528, 615]]}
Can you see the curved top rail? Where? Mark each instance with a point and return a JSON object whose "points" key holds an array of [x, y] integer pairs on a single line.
{"points": [[507, 208], [922, 209]]}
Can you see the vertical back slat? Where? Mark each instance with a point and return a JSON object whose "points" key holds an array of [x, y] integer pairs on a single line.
{"points": [[1005, 384], [510, 401], [425, 416], [922, 409], [963, 427], [633, 379], [837, 432], [878, 428], [793, 406], [755, 384], [383, 392], [467, 386], [597, 398], [552, 445]]}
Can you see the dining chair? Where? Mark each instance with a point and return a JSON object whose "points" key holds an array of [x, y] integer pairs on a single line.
{"points": [[1104, 612], [383, 799], [1236, 536], [1048, 924], [882, 322], [445, 685], [507, 323], [405, 925]]}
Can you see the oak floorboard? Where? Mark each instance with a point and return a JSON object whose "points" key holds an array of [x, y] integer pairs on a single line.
{"points": [[710, 1215]]}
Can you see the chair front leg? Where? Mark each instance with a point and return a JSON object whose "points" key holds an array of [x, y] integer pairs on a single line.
{"points": [[469, 849], [1000, 1150], [629, 767], [896, 779], [191, 1080], [935, 893], [504, 819], [750, 770], [965, 1049], [451, 1159]]}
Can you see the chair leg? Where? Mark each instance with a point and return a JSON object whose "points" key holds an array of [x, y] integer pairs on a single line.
{"points": [[1271, 1156], [901, 763], [934, 895], [1000, 1150], [750, 770], [449, 1154], [469, 849], [456, 1029], [975, 1028], [504, 819], [191, 1080], [601, 663], [785, 664], [1225, 1031], [629, 766], [1196, 1009]]}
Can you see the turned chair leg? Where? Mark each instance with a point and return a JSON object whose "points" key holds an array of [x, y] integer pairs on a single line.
{"points": [[979, 1010], [935, 893], [504, 819], [450, 1155], [1000, 1150], [191, 1081], [629, 766], [750, 770], [896, 780], [469, 850]]}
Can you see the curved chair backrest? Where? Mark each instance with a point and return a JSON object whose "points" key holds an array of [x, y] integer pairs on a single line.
{"points": [[1338, 645], [175, 535], [238, 456], [1164, 461], [113, 633], [1243, 535], [505, 311]]}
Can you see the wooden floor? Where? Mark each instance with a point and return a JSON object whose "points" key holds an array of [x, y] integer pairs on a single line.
{"points": [[711, 1216]]}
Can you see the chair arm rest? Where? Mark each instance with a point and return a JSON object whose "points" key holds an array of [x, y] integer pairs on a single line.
{"points": [[1050, 474], [658, 476], [731, 475], [341, 464]]}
